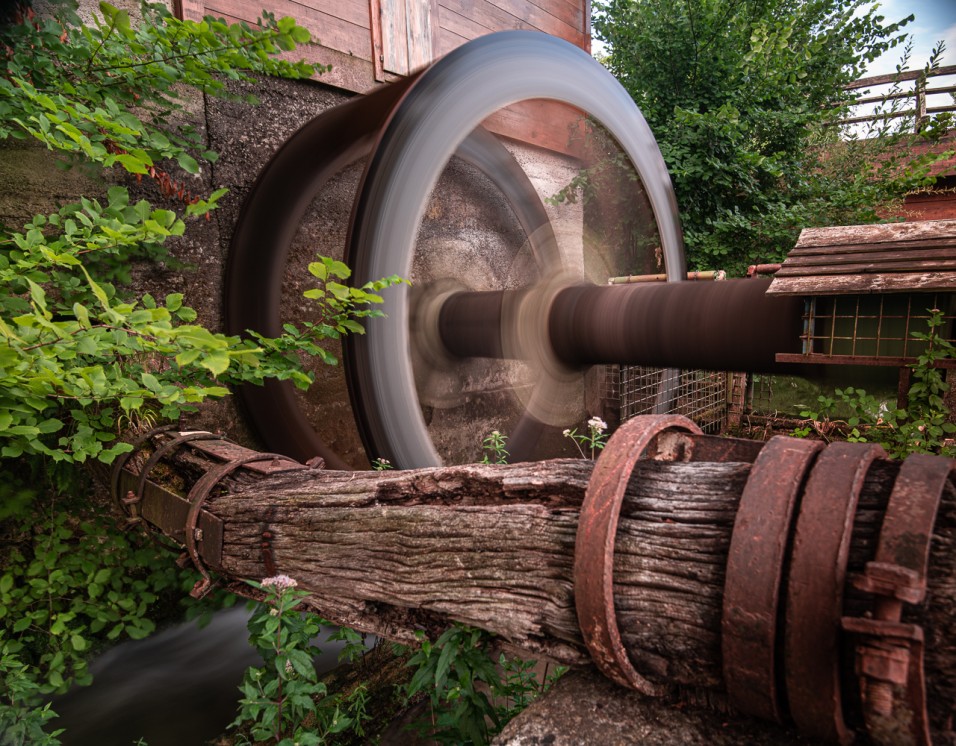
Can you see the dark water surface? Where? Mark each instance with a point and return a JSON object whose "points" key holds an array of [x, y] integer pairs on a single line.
{"points": [[176, 688]]}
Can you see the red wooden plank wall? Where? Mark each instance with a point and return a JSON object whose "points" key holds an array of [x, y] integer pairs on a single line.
{"points": [[408, 34]]}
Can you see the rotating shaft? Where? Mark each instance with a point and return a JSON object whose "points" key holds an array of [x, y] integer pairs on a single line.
{"points": [[729, 325]]}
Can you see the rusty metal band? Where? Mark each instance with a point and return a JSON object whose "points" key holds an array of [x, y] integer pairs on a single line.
{"points": [[815, 585], [889, 653], [197, 497], [166, 448], [124, 458], [594, 546], [755, 567]]}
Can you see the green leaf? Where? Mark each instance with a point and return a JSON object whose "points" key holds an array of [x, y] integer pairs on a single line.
{"points": [[151, 382], [216, 362], [188, 163]]}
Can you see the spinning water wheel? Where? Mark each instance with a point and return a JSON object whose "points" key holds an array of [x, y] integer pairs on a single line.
{"points": [[512, 329]]}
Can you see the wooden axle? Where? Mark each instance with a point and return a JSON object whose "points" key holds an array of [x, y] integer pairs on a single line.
{"points": [[493, 546]]}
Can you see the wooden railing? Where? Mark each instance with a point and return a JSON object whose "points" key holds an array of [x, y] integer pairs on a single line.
{"points": [[919, 93]]}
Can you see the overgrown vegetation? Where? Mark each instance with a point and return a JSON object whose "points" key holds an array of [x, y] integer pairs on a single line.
{"points": [[744, 99], [471, 695], [283, 701], [923, 426], [81, 356]]}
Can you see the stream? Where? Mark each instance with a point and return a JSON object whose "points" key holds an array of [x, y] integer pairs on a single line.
{"points": [[178, 687]]}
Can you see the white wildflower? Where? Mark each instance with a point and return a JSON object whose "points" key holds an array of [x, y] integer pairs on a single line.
{"points": [[597, 424], [279, 582], [566, 433]]}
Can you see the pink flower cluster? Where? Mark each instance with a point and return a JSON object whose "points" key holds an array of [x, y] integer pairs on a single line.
{"points": [[279, 582]]}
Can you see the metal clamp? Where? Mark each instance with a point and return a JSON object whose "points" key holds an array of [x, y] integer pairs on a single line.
{"points": [[124, 458], [818, 562], [594, 546], [197, 497], [889, 654], [755, 569]]}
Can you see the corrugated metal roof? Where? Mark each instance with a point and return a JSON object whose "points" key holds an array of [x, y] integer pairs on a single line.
{"points": [[895, 257]]}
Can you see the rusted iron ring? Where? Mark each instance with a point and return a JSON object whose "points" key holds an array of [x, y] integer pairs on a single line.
{"points": [[594, 546], [169, 447], [197, 497], [818, 562], [755, 568], [124, 458], [889, 653]]}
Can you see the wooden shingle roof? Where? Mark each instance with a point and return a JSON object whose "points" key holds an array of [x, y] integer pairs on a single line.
{"points": [[895, 257]]}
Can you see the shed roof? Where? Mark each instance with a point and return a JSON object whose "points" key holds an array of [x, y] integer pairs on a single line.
{"points": [[854, 259]]}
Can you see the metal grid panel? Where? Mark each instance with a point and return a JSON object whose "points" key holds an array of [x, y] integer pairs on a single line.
{"points": [[873, 325], [701, 395]]}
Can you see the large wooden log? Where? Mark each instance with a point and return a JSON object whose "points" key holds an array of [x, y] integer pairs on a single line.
{"points": [[492, 546]]}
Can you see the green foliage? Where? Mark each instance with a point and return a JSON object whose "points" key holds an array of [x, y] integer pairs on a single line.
{"points": [[471, 696], [70, 584], [922, 427], [108, 92], [22, 721], [78, 358], [82, 358], [743, 99], [493, 448], [594, 440], [339, 309], [283, 701]]}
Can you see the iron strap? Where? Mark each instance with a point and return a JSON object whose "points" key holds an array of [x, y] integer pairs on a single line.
{"points": [[821, 547], [889, 654], [755, 568], [594, 546], [197, 497]]}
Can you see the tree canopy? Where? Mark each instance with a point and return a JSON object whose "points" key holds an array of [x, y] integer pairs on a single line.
{"points": [[743, 97]]}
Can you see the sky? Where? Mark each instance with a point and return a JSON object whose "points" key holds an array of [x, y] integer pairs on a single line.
{"points": [[935, 21]]}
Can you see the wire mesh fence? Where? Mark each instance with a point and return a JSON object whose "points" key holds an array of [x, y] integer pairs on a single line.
{"points": [[701, 396]]}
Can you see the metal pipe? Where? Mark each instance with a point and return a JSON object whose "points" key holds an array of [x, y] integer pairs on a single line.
{"points": [[730, 325]]}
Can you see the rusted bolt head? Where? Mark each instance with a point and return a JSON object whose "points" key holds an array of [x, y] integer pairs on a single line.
{"points": [[890, 664], [893, 581]]}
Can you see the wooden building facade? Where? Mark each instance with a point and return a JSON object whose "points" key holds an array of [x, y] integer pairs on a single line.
{"points": [[370, 41]]}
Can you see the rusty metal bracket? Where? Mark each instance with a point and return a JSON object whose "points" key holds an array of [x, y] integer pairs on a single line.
{"points": [[124, 458], [268, 559], [166, 448], [197, 497], [594, 546], [889, 654], [818, 562], [755, 568]]}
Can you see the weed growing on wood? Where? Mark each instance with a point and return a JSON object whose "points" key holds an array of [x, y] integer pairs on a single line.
{"points": [[594, 440], [493, 448], [471, 695], [283, 701], [922, 426]]}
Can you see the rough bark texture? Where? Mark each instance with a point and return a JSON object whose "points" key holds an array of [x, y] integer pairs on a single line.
{"points": [[493, 546]]}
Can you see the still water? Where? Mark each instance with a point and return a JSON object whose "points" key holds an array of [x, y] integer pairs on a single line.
{"points": [[176, 688]]}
